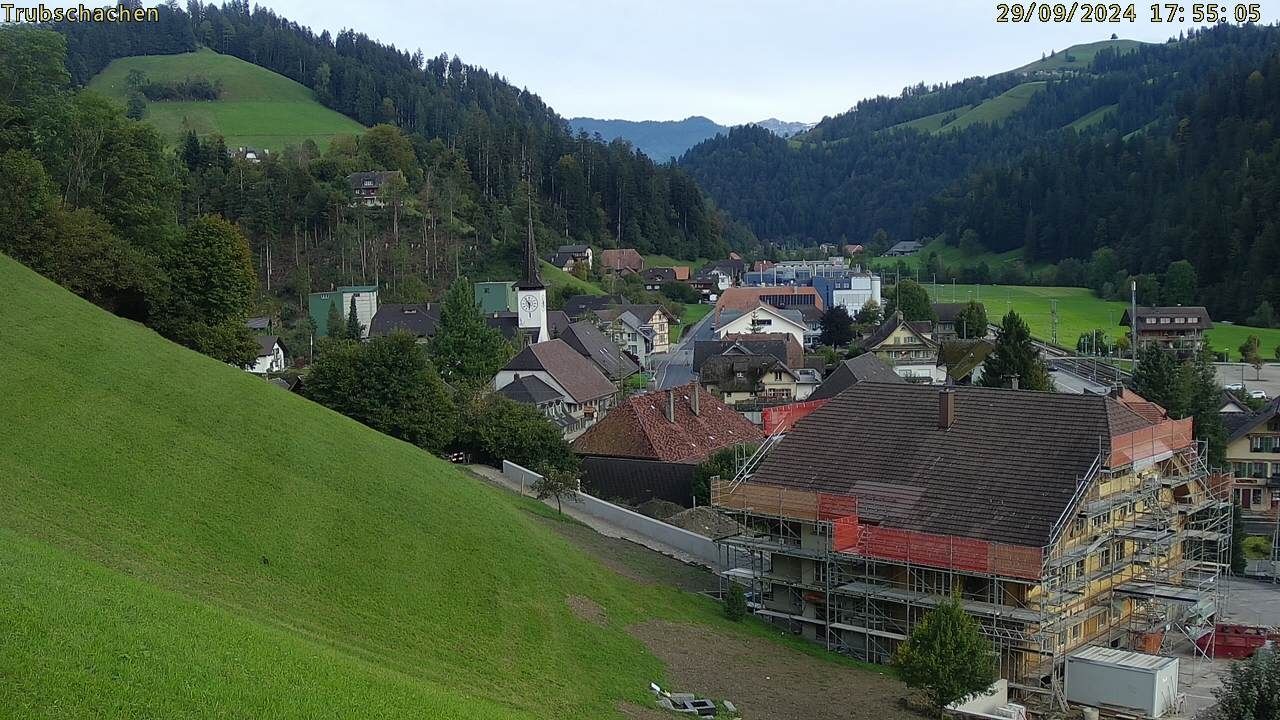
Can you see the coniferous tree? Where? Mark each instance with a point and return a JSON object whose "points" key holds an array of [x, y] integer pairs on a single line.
{"points": [[947, 656], [467, 351], [1015, 355], [971, 322], [333, 326], [354, 330], [1156, 377]]}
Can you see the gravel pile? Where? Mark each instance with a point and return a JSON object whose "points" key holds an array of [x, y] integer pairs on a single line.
{"points": [[705, 522], [658, 509]]}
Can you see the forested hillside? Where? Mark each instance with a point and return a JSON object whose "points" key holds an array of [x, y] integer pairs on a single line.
{"points": [[1158, 151], [491, 135]]}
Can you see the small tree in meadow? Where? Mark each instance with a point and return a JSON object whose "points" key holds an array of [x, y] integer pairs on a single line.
{"points": [[559, 484], [735, 603]]}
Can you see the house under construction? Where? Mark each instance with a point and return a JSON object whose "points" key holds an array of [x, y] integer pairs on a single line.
{"points": [[1058, 520]]}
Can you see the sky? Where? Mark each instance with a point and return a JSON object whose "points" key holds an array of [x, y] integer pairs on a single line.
{"points": [[734, 62]]}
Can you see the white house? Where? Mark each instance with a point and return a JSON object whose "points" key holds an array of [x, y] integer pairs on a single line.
{"points": [[271, 356], [762, 319]]}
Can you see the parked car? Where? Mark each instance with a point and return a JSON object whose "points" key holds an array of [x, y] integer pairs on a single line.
{"points": [[1235, 387], [1257, 394]]}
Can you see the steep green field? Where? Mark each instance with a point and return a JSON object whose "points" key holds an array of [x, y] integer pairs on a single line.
{"points": [[1081, 55], [935, 122], [554, 277], [180, 539], [1093, 118], [997, 108], [257, 108], [1079, 311]]}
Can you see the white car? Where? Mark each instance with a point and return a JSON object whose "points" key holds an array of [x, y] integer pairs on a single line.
{"points": [[1235, 387], [1257, 394]]}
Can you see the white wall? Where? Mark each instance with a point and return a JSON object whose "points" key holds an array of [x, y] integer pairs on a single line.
{"points": [[366, 308], [777, 324]]}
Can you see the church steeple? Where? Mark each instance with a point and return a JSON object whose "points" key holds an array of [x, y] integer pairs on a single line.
{"points": [[532, 279]]}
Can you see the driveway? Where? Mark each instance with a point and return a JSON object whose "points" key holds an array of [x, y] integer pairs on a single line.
{"points": [[677, 367], [1269, 383]]}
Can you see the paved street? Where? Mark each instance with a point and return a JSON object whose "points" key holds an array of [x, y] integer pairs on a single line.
{"points": [[677, 367]]}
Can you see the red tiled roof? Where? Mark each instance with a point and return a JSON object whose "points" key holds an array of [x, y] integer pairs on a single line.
{"points": [[749, 298], [638, 428]]}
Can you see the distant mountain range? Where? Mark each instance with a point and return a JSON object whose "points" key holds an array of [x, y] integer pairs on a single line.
{"points": [[664, 140]]}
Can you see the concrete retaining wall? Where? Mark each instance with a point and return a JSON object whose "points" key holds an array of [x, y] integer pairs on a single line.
{"points": [[692, 544]]}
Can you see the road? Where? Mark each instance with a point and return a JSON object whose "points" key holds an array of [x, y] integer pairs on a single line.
{"points": [[677, 367]]}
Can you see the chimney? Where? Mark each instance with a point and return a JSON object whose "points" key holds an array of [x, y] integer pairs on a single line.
{"points": [[1014, 380], [671, 406], [1117, 391], [946, 408], [693, 400]]}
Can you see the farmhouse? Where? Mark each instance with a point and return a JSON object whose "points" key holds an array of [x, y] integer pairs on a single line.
{"points": [[1253, 449], [1059, 521], [367, 187], [271, 356], [907, 347], [1176, 328], [587, 393], [625, 261], [651, 443]]}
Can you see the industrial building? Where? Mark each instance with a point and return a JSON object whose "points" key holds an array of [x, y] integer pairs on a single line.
{"points": [[1060, 521]]}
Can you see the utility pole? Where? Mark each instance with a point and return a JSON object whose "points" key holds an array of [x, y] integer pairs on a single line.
{"points": [[1133, 325], [1053, 320]]}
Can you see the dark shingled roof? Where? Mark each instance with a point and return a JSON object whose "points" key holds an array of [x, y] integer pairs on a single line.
{"points": [[587, 339], [417, 319], [639, 428], [1268, 411], [776, 345], [946, 312], [1005, 471], [1197, 316], [557, 321], [578, 306], [864, 368], [267, 344], [723, 371], [576, 374], [530, 390]]}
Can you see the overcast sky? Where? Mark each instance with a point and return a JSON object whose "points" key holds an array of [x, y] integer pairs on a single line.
{"points": [[732, 61]]}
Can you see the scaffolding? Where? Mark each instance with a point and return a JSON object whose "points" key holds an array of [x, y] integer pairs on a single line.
{"points": [[1134, 560]]}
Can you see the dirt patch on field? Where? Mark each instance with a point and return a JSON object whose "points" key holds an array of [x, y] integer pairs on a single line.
{"points": [[584, 608], [768, 680], [659, 509], [706, 522]]}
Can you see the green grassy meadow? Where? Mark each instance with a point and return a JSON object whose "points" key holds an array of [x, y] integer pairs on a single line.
{"points": [[690, 314], [949, 256], [554, 277], [997, 108], [1079, 311], [181, 539], [257, 108], [1093, 118], [1083, 54]]}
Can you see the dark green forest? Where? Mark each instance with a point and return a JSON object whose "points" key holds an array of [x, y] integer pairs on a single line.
{"points": [[1182, 167], [473, 142]]}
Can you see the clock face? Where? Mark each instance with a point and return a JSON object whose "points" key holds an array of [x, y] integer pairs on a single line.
{"points": [[529, 303]]}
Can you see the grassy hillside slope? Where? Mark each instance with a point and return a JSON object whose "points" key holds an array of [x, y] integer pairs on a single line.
{"points": [[1080, 56], [257, 108], [997, 108], [181, 539]]}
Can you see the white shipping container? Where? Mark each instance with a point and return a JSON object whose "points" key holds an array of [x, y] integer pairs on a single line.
{"points": [[1103, 676]]}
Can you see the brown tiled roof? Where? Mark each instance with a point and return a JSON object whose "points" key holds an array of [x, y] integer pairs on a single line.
{"points": [[622, 259], [577, 375], [746, 299], [1005, 471], [638, 428]]}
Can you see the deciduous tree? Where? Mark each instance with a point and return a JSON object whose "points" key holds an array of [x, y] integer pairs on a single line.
{"points": [[971, 321], [837, 327]]}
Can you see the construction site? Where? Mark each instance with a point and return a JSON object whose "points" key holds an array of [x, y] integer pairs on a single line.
{"points": [[1113, 533]]}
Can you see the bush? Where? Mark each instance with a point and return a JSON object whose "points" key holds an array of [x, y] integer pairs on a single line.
{"points": [[735, 603]]}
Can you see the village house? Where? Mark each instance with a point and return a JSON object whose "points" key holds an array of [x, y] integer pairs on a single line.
{"points": [[1253, 450], [1058, 521], [592, 344], [532, 390], [747, 298], [366, 300], [655, 323], [587, 393], [944, 327], [625, 261], [271, 358], [762, 319], [1177, 328], [751, 381], [495, 296], [905, 247], [367, 187], [650, 445], [421, 319], [908, 348], [778, 345], [863, 368]]}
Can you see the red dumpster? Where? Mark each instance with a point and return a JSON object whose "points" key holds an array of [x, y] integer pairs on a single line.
{"points": [[1232, 641]]}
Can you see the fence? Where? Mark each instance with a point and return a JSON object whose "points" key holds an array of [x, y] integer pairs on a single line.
{"points": [[695, 546]]}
